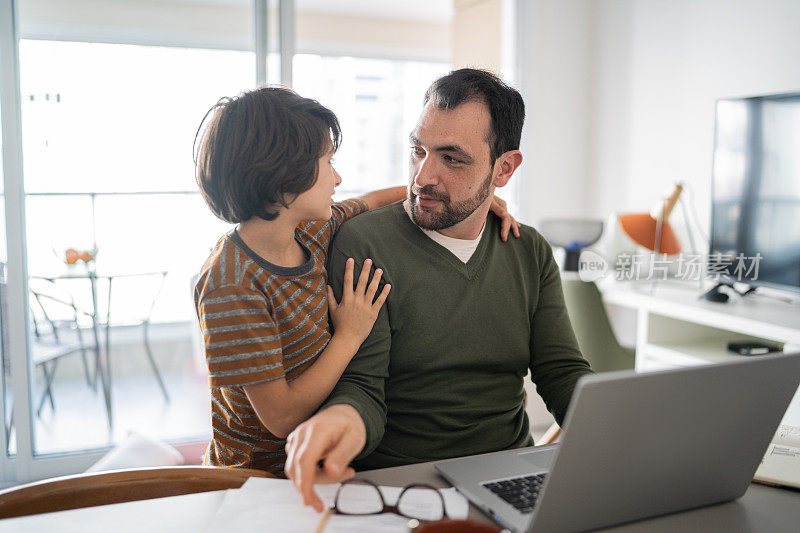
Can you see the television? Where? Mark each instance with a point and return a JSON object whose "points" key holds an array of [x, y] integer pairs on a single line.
{"points": [[755, 191]]}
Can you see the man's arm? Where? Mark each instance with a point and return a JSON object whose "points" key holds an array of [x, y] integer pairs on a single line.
{"points": [[352, 420], [556, 360], [335, 434], [362, 383]]}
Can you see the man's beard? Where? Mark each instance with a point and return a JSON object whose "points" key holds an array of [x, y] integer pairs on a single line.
{"points": [[452, 212]]}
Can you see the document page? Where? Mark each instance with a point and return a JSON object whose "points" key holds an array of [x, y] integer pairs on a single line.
{"points": [[274, 505], [781, 463]]}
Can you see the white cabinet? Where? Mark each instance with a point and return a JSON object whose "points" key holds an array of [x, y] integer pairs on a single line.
{"points": [[675, 328]]}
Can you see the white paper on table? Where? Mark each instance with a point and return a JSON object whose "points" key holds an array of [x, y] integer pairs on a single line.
{"points": [[273, 505], [781, 463]]}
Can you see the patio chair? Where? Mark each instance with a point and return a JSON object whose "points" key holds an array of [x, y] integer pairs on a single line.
{"points": [[57, 333], [92, 489], [102, 323], [54, 336]]}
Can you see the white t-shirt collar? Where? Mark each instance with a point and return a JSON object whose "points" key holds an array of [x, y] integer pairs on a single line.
{"points": [[461, 248]]}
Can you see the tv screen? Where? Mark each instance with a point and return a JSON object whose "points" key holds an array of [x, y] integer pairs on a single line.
{"points": [[755, 191]]}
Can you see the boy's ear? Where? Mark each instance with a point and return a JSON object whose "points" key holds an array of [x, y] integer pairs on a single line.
{"points": [[505, 166]]}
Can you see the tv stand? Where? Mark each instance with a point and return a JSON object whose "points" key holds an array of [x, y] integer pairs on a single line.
{"points": [[675, 327]]}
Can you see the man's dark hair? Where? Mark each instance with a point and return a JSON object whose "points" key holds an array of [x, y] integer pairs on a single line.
{"points": [[259, 147], [506, 108]]}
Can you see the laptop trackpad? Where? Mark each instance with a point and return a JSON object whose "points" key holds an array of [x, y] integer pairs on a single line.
{"points": [[539, 458]]}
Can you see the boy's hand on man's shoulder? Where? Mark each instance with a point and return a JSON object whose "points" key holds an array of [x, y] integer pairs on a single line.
{"points": [[507, 222], [354, 315]]}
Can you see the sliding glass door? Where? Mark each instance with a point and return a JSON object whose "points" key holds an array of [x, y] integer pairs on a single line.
{"points": [[109, 223], [105, 227]]}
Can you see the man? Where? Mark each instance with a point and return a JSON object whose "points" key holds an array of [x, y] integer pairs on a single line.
{"points": [[441, 373]]}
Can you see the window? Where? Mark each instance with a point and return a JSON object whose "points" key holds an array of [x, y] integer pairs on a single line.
{"points": [[110, 103], [108, 132], [378, 102]]}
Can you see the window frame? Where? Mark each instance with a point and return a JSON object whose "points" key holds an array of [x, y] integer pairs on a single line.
{"points": [[24, 465]]}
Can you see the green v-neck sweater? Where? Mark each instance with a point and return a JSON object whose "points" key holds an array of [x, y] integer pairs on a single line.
{"points": [[441, 373]]}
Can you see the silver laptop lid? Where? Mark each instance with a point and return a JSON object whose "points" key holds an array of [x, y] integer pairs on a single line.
{"points": [[646, 445]]}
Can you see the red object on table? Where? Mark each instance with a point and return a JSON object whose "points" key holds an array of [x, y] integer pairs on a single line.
{"points": [[642, 227], [456, 526]]}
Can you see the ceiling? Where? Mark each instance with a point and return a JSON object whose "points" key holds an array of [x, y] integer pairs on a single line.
{"points": [[429, 10], [440, 11]]}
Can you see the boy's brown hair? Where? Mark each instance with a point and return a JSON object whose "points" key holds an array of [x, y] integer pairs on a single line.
{"points": [[259, 147]]}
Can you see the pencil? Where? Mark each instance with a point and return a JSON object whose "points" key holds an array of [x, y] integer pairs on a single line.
{"points": [[324, 521]]}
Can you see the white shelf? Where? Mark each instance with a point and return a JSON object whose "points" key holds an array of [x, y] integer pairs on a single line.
{"points": [[756, 316], [690, 353], [675, 328]]}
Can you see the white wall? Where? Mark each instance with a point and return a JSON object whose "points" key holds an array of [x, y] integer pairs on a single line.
{"points": [[477, 28], [621, 94], [556, 82]]}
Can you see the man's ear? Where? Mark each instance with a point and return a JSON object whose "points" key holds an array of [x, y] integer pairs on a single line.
{"points": [[505, 166]]}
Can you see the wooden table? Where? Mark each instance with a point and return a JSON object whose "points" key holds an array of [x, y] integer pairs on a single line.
{"points": [[761, 509]]}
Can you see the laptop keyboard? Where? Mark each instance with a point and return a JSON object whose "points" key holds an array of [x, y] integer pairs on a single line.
{"points": [[521, 492]]}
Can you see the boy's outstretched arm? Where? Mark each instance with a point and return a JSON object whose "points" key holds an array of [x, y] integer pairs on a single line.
{"points": [[382, 197]]}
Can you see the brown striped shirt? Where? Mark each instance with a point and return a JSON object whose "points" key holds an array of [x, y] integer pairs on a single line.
{"points": [[261, 322]]}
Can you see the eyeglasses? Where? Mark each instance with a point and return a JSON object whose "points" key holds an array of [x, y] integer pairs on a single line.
{"points": [[363, 497]]}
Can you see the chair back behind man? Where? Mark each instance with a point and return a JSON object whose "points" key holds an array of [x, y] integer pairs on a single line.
{"points": [[596, 338], [104, 488]]}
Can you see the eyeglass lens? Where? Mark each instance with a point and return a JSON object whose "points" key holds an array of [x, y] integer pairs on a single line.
{"points": [[421, 502], [358, 498], [361, 498]]}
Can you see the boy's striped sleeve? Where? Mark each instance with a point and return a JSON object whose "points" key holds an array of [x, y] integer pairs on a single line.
{"points": [[242, 341], [342, 211]]}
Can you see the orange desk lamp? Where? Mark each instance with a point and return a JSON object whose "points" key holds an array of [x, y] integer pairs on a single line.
{"points": [[652, 230]]}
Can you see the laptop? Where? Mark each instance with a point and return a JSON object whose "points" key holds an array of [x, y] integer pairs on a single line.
{"points": [[637, 446]]}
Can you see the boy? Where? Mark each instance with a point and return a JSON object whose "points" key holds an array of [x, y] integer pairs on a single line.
{"points": [[265, 163]]}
